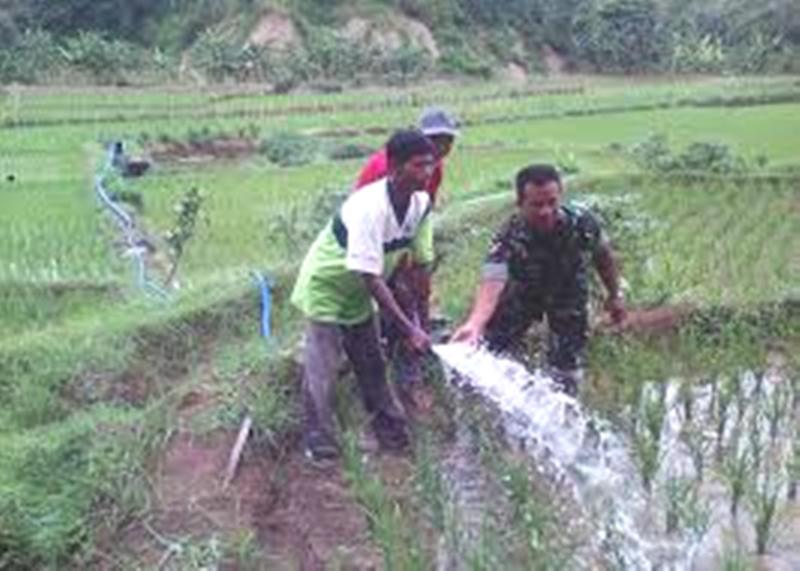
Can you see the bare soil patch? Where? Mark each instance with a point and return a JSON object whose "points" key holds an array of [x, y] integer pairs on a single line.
{"points": [[227, 148], [301, 516]]}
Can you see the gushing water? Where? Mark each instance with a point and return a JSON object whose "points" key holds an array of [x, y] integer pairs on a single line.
{"points": [[578, 452], [587, 459]]}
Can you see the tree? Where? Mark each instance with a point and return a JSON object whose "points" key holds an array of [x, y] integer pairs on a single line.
{"points": [[620, 35]]}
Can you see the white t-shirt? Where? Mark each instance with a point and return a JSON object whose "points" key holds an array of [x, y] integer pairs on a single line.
{"points": [[364, 237], [373, 229]]}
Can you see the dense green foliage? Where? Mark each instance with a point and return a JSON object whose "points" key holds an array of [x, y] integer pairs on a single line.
{"points": [[110, 39]]}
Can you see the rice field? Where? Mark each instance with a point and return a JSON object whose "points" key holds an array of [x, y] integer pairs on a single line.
{"points": [[74, 320]]}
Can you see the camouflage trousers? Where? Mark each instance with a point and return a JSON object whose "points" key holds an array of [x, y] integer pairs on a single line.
{"points": [[568, 326]]}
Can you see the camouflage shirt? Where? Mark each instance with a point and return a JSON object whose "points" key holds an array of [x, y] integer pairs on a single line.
{"points": [[553, 267]]}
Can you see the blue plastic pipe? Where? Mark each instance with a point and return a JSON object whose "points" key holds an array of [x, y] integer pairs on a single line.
{"points": [[266, 303]]}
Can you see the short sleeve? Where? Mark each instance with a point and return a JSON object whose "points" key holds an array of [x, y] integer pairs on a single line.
{"points": [[498, 258], [591, 232], [423, 242]]}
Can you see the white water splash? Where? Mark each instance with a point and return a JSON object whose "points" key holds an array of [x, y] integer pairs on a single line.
{"points": [[578, 451], [585, 456]]}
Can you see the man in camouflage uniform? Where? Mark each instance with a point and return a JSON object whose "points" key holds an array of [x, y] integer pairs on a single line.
{"points": [[538, 266]]}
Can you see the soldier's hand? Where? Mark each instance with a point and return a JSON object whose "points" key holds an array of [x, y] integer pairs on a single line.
{"points": [[467, 333]]}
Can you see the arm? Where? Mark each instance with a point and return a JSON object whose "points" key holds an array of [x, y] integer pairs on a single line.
{"points": [[486, 301], [383, 295], [423, 255], [607, 267], [494, 276]]}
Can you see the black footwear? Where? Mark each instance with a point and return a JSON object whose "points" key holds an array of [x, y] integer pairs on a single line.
{"points": [[390, 432], [319, 446]]}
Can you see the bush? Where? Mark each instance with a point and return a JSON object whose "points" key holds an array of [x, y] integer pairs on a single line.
{"points": [[694, 54], [289, 149], [106, 60], [218, 56], [620, 35], [347, 151], [34, 58], [404, 64], [286, 70], [655, 154]]}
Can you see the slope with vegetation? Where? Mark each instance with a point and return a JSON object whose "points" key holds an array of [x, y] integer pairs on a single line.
{"points": [[286, 43]]}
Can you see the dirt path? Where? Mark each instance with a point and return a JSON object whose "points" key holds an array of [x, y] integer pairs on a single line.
{"points": [[280, 512]]}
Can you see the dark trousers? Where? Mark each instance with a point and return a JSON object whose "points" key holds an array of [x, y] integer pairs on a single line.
{"points": [[324, 343], [519, 308], [405, 284]]}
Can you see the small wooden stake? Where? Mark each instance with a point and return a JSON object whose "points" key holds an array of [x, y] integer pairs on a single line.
{"points": [[236, 452]]}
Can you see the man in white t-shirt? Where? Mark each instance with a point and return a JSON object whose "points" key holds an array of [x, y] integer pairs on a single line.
{"points": [[343, 277]]}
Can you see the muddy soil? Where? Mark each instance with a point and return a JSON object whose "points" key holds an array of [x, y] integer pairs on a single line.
{"points": [[227, 148], [298, 515]]}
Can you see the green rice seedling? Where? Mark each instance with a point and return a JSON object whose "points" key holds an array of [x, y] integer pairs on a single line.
{"points": [[429, 481], [794, 468], [647, 452], [487, 552], [242, 550], [533, 520], [698, 446], [677, 490], [647, 434], [776, 410], [387, 523], [686, 398], [727, 391], [734, 559], [684, 507], [737, 469], [763, 500], [654, 411], [755, 439]]}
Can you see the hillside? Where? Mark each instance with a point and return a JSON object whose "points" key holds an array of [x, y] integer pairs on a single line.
{"points": [[286, 43]]}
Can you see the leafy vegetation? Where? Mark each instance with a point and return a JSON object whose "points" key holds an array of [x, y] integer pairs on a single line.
{"points": [[119, 42]]}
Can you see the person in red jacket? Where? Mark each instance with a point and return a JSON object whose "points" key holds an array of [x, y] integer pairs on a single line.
{"points": [[410, 282], [441, 128]]}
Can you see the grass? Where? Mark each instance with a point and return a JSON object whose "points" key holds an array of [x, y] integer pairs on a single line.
{"points": [[388, 523]]}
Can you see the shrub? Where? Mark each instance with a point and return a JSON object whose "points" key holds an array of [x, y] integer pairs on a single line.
{"points": [[620, 35], [348, 151], [289, 149], [655, 154], [219, 56], [35, 57], [404, 64], [106, 60], [697, 54]]}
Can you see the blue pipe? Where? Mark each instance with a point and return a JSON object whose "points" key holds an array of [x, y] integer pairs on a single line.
{"points": [[126, 223], [266, 303]]}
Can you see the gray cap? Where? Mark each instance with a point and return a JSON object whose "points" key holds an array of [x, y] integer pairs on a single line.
{"points": [[437, 121]]}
